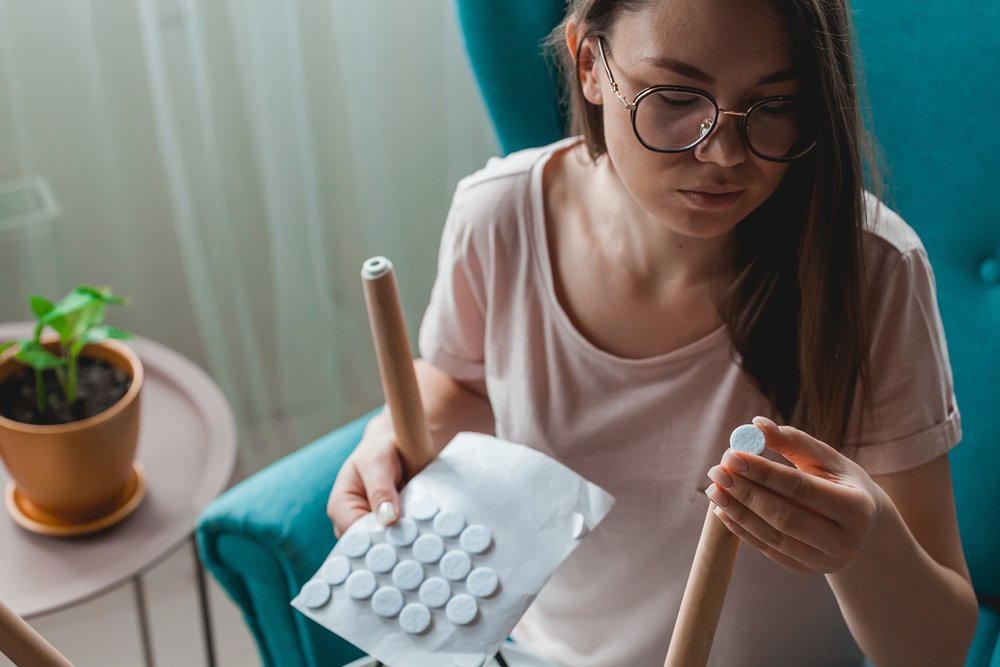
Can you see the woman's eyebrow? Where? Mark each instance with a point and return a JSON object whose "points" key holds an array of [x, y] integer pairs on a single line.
{"points": [[690, 71]]}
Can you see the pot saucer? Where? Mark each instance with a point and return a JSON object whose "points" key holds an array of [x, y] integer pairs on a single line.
{"points": [[30, 517]]}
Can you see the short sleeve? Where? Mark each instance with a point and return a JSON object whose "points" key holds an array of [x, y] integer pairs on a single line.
{"points": [[914, 416], [452, 334]]}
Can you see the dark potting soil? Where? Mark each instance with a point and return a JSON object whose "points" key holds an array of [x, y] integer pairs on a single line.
{"points": [[99, 386]]}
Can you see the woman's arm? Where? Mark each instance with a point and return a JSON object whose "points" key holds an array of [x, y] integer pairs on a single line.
{"points": [[451, 405], [889, 547], [907, 596]]}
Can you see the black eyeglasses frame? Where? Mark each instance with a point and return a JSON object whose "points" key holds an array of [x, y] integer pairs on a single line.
{"points": [[744, 123]]}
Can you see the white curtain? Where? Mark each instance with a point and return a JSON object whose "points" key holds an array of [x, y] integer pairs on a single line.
{"points": [[228, 165]]}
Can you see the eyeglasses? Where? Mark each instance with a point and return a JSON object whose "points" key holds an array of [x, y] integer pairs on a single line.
{"points": [[674, 119]]}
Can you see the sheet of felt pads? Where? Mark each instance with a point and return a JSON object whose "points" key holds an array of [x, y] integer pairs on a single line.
{"points": [[483, 528]]}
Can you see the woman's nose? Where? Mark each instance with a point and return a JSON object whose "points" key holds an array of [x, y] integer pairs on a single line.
{"points": [[724, 144]]}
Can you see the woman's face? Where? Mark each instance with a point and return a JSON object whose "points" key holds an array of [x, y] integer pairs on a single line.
{"points": [[725, 47]]}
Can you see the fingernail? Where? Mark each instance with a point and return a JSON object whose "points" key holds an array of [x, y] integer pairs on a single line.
{"points": [[720, 477], [765, 424], [735, 462], [716, 495], [386, 513]]}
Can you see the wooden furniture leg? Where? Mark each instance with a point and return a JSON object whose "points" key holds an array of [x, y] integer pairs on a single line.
{"points": [[395, 363], [23, 645], [704, 595]]}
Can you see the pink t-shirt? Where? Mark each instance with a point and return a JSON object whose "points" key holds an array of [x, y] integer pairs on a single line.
{"points": [[647, 431]]}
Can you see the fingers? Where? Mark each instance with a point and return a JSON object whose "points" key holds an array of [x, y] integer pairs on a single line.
{"points": [[770, 552], [380, 479], [348, 501], [804, 451], [366, 482], [784, 527], [813, 517], [810, 490]]}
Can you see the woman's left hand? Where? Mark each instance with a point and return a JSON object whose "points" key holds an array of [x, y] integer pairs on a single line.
{"points": [[813, 518]]}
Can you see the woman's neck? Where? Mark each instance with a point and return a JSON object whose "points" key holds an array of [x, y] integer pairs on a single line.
{"points": [[640, 243]]}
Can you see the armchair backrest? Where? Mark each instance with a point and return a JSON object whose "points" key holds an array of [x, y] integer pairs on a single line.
{"points": [[930, 69], [930, 74], [519, 85]]}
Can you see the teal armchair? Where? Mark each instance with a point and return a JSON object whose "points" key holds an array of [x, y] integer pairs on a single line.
{"points": [[930, 70]]}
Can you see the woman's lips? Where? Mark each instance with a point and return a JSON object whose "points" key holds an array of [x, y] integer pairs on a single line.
{"points": [[711, 200]]}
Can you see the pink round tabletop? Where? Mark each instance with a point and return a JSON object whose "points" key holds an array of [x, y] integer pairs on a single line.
{"points": [[187, 445]]}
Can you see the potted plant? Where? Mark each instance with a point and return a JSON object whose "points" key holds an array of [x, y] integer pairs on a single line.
{"points": [[69, 410]]}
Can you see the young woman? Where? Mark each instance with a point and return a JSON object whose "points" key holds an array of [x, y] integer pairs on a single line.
{"points": [[703, 253]]}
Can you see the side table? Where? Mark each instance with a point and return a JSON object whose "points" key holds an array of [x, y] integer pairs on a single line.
{"points": [[187, 444]]}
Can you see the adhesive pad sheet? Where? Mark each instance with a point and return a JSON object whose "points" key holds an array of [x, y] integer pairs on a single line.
{"points": [[532, 511]]}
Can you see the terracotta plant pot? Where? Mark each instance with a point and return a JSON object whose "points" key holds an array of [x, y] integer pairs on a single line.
{"points": [[76, 472]]}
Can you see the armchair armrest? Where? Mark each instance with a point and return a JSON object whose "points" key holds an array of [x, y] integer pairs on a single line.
{"points": [[985, 649], [266, 536]]}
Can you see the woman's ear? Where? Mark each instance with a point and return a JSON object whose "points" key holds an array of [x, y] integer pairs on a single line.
{"points": [[583, 49]]}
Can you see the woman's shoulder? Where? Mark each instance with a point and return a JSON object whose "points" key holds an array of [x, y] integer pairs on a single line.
{"points": [[898, 268], [888, 238], [496, 208], [885, 227], [504, 183]]}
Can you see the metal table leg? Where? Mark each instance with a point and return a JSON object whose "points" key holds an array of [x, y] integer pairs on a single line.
{"points": [[140, 603], [206, 612]]}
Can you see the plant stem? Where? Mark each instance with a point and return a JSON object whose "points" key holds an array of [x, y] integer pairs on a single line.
{"points": [[61, 376], [71, 385]]}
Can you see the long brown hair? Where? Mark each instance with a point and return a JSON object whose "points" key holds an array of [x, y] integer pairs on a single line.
{"points": [[797, 309]]}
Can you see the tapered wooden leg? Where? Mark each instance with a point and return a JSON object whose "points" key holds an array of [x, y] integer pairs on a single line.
{"points": [[395, 363], [704, 595], [23, 645]]}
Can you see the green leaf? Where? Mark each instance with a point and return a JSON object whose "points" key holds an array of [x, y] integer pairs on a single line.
{"points": [[93, 291], [85, 310], [71, 303], [62, 317], [76, 313], [40, 306], [36, 356], [97, 334], [102, 294], [59, 324], [85, 319], [120, 334], [74, 350], [103, 332], [6, 346]]}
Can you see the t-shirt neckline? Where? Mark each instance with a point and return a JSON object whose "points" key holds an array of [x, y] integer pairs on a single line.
{"points": [[543, 261]]}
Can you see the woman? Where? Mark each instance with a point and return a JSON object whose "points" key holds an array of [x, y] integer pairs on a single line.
{"points": [[703, 254]]}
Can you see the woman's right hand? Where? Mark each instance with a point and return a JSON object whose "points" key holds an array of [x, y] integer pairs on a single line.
{"points": [[368, 479]]}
